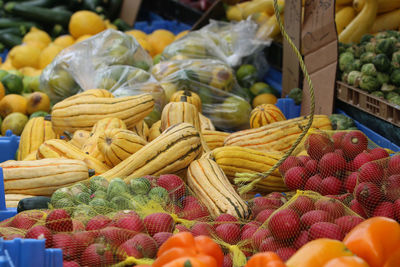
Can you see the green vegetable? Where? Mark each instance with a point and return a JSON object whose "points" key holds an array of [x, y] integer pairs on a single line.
{"points": [[354, 77], [99, 194], [369, 69], [382, 77], [114, 8], [6, 23], [39, 3], [369, 83], [388, 87], [38, 114], [367, 57], [3, 73], [357, 64], [10, 40], [82, 198], [12, 83], [395, 100], [297, 95], [370, 47], [98, 183], [40, 14], [159, 194], [395, 77], [122, 25], [140, 186], [61, 193], [31, 83], [396, 59], [366, 38], [359, 50], [385, 46], [341, 122], [381, 62], [346, 61], [262, 88], [33, 203], [378, 94], [122, 203], [117, 187], [390, 95], [344, 76], [63, 203]]}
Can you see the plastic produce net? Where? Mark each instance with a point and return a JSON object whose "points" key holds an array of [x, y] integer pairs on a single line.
{"points": [[348, 166], [228, 42], [109, 60], [223, 100]]}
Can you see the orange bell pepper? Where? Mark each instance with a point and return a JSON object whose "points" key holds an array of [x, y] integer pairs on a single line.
{"points": [[346, 261], [318, 252], [183, 245], [377, 241], [186, 262], [265, 259]]}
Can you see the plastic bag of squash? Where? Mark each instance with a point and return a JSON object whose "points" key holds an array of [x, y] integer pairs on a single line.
{"points": [[222, 99], [86, 64]]}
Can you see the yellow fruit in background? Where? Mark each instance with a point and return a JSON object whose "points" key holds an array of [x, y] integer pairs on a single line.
{"points": [[29, 71], [2, 91], [12, 103], [264, 99], [181, 34], [137, 34], [37, 44], [109, 25], [159, 39], [146, 46], [64, 40], [7, 65], [38, 101], [36, 35], [48, 54], [24, 56], [15, 122], [82, 38], [85, 22]]}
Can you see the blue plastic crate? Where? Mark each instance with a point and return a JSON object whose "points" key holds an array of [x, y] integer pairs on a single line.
{"points": [[8, 146], [274, 78], [4, 55], [155, 22], [28, 253]]}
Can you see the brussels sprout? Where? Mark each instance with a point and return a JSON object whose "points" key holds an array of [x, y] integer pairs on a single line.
{"points": [[395, 100], [98, 182], [378, 94], [369, 69], [351, 49], [341, 122], [366, 38], [122, 203], [82, 197], [369, 83], [367, 57], [396, 59], [381, 62], [370, 47], [354, 78], [390, 95], [385, 46], [357, 64], [159, 194], [382, 35], [395, 77], [296, 94], [140, 186], [346, 61], [387, 87], [382, 77], [359, 50]]}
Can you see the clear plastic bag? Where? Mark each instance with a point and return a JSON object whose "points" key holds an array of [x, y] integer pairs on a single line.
{"points": [[83, 66], [228, 42], [223, 100]]}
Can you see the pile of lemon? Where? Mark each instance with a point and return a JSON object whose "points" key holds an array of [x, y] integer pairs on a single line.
{"points": [[38, 49], [155, 42]]}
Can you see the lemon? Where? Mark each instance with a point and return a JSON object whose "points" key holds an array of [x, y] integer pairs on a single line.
{"points": [[82, 38], [159, 39], [181, 34], [64, 40], [85, 22], [264, 99], [137, 34], [146, 46], [24, 56], [48, 54], [36, 35]]}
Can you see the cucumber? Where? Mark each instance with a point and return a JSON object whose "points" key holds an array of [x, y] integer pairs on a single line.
{"points": [[33, 203], [10, 40], [91, 4], [40, 14], [61, 7], [15, 22], [40, 3], [20, 31], [122, 25]]}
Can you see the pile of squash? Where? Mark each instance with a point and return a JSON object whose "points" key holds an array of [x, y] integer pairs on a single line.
{"points": [[108, 136]]}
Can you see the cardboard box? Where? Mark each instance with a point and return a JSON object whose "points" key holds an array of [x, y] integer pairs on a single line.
{"points": [[130, 10]]}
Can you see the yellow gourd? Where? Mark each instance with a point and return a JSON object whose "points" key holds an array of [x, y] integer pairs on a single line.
{"points": [[344, 17]]}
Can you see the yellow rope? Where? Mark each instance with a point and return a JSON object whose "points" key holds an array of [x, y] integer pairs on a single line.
{"points": [[256, 178]]}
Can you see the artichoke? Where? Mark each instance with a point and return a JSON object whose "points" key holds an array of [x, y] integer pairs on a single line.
{"points": [[369, 83], [346, 61], [341, 122], [370, 47], [369, 69], [382, 77], [381, 62], [359, 50], [366, 38], [354, 78], [378, 94], [395, 77], [367, 57], [386, 46], [390, 95], [357, 64]]}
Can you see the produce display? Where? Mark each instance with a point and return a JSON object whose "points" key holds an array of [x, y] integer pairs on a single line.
{"points": [[160, 150]]}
